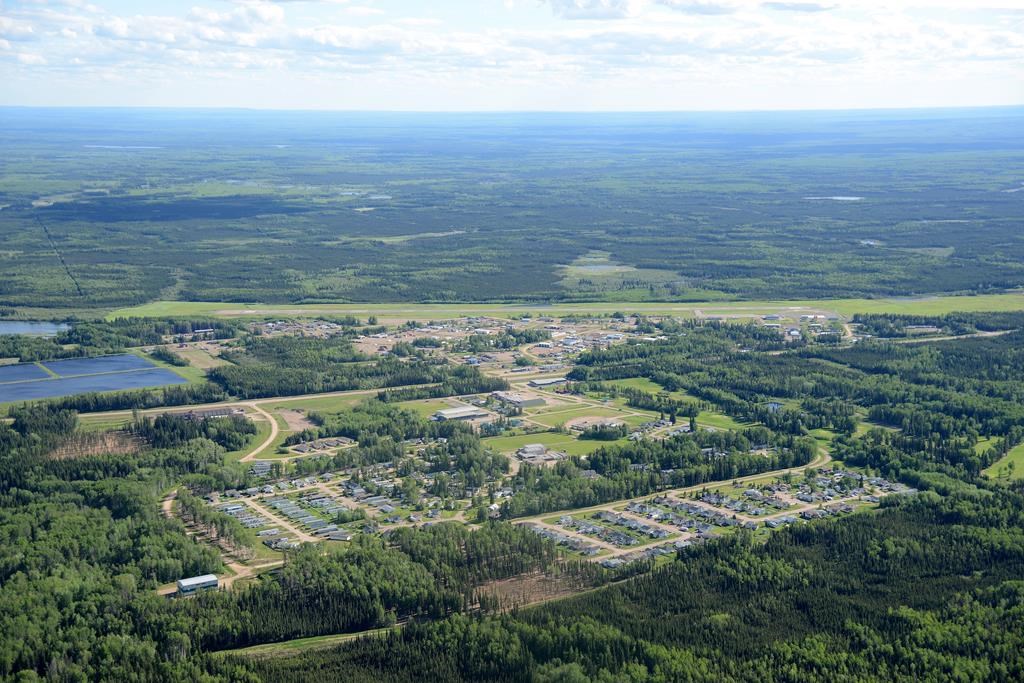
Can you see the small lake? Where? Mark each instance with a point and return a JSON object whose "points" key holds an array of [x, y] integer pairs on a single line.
{"points": [[33, 327]]}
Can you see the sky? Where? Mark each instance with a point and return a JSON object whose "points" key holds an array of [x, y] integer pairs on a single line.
{"points": [[509, 55]]}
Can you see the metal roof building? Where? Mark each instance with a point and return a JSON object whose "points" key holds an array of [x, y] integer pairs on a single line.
{"points": [[460, 413], [197, 583]]}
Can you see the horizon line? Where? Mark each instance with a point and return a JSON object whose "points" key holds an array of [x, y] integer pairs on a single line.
{"points": [[211, 108]]}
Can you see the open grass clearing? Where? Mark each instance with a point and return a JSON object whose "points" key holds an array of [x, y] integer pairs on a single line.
{"points": [[325, 404], [554, 441], [1010, 466], [550, 419]]}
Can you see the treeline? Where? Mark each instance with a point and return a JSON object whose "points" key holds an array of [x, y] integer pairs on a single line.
{"points": [[895, 325], [141, 399], [169, 430], [287, 366], [508, 338], [371, 582], [162, 353], [462, 381], [100, 337], [216, 524], [957, 388]]}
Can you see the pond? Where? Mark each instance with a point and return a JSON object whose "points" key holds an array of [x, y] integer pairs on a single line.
{"points": [[34, 327]]}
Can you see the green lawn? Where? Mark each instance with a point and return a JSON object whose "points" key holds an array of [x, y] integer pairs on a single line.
{"points": [[327, 404], [1001, 469], [101, 423], [718, 421], [560, 414], [559, 442], [641, 383]]}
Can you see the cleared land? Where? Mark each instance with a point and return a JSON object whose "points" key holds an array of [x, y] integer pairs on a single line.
{"points": [[932, 305], [1010, 466]]}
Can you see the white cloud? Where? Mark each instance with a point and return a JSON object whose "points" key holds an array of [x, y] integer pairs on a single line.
{"points": [[623, 46], [707, 7], [596, 9], [31, 59]]}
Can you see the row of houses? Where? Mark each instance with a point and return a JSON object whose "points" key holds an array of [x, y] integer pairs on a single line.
{"points": [[244, 514], [601, 532], [571, 542], [743, 506], [631, 524]]}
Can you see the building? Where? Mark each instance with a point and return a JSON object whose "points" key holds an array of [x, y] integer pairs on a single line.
{"points": [[541, 382], [260, 468], [197, 584], [210, 413], [460, 413], [533, 450], [518, 400]]}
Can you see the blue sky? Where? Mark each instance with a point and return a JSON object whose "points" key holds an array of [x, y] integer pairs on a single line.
{"points": [[449, 55]]}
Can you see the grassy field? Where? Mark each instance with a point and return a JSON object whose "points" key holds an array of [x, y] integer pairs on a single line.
{"points": [[934, 305], [718, 421], [302, 644], [326, 404], [558, 442], [556, 417], [1000, 469], [641, 383]]}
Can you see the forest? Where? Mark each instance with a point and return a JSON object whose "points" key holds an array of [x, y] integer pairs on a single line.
{"points": [[287, 366], [145, 205]]}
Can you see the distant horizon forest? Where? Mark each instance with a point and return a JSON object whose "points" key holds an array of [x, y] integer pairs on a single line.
{"points": [[104, 208]]}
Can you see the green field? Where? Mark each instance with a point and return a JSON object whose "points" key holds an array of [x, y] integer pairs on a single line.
{"points": [[325, 404], [302, 644], [1001, 469], [561, 415], [559, 442], [934, 305], [641, 383]]}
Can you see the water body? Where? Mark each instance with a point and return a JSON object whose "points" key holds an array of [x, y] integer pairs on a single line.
{"points": [[73, 367], [52, 388], [29, 381], [33, 327], [21, 372]]}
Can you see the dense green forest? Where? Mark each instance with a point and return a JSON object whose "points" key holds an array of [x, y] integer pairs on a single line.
{"points": [[121, 208], [929, 587], [285, 366]]}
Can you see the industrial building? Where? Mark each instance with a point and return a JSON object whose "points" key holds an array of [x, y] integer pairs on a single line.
{"points": [[197, 584], [460, 413], [518, 400], [547, 381]]}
